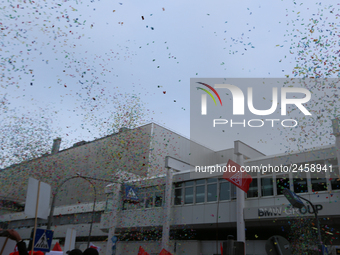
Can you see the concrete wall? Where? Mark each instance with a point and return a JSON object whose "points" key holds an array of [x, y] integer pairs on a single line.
{"points": [[168, 143], [204, 213], [102, 158]]}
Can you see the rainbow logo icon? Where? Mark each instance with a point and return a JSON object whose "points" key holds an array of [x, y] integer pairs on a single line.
{"points": [[209, 93]]}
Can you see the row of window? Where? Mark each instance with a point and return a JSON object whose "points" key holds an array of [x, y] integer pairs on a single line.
{"points": [[200, 191], [77, 218], [213, 189], [148, 197]]}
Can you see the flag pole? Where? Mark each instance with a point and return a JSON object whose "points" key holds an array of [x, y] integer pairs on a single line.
{"points": [[3, 247], [240, 206], [36, 218]]}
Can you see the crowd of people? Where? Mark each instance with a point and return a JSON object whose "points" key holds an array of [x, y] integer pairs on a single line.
{"points": [[22, 250]]}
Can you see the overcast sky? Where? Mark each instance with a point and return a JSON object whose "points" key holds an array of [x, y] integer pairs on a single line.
{"points": [[60, 59]]}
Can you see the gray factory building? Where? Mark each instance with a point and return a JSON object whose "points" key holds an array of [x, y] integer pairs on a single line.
{"points": [[173, 205]]}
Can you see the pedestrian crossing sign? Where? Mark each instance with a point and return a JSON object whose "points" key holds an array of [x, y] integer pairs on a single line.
{"points": [[131, 194], [43, 240]]}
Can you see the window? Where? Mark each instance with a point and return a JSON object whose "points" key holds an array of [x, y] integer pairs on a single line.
{"points": [[266, 187], [212, 190], [129, 206], [233, 192], [109, 203], [335, 180], [224, 190], [200, 191], [318, 179], [282, 182], [253, 189], [335, 174], [189, 192], [318, 183], [178, 194], [141, 200], [158, 199], [300, 183], [148, 199]]}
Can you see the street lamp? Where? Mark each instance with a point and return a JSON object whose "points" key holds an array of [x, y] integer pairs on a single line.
{"points": [[296, 202], [87, 178], [336, 133]]}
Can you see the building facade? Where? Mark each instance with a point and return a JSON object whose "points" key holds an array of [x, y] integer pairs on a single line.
{"points": [[195, 210], [203, 206]]}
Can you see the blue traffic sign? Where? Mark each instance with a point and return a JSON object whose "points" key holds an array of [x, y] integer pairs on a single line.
{"points": [[131, 194], [43, 240]]}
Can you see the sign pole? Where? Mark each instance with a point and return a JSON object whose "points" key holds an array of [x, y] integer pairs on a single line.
{"points": [[239, 207], [3, 247], [36, 218]]}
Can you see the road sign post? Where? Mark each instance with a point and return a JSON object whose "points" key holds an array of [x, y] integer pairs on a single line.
{"points": [[42, 240]]}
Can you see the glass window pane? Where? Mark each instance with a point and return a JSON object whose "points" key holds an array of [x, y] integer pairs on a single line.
{"points": [[300, 183], [233, 191], [158, 199], [319, 184], [212, 192], [125, 205], [148, 202], [178, 184], [189, 183], [189, 195], [132, 206], [141, 202], [109, 203], [267, 187], [200, 194], [178, 197], [282, 182], [200, 182], [210, 180], [335, 180], [253, 189], [224, 191]]}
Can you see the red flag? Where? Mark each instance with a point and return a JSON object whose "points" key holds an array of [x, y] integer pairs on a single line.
{"points": [[36, 253], [95, 247], [236, 176], [57, 247], [221, 248], [165, 252], [142, 251]]}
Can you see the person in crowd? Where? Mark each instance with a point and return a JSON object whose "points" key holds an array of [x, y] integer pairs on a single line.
{"points": [[75, 252], [14, 235], [21, 245], [90, 251]]}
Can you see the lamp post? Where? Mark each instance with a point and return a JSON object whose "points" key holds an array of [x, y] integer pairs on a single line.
{"points": [[87, 178], [297, 203], [336, 133]]}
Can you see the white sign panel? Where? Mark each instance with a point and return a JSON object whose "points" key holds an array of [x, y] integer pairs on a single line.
{"points": [[70, 240], [31, 199], [6, 245]]}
